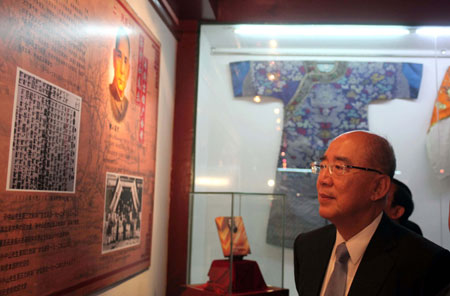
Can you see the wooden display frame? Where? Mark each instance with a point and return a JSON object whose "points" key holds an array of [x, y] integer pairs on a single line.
{"points": [[76, 178]]}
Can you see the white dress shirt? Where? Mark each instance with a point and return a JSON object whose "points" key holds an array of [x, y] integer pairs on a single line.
{"points": [[356, 247]]}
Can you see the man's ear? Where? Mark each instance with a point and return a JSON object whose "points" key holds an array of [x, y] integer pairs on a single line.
{"points": [[381, 188], [396, 212]]}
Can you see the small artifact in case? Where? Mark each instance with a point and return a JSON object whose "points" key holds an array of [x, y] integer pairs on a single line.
{"points": [[227, 228], [245, 274]]}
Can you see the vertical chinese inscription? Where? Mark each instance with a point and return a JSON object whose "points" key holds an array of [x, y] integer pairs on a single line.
{"points": [[141, 87], [45, 134]]}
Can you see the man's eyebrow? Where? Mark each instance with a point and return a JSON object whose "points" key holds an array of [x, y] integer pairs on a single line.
{"points": [[324, 157], [343, 159]]}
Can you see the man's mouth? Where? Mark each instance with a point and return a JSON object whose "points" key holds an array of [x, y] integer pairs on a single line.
{"points": [[325, 196]]}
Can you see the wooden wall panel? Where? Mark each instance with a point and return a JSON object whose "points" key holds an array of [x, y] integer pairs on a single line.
{"points": [[182, 164]]}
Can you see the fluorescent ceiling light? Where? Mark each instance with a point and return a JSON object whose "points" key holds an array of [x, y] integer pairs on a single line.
{"points": [[433, 31], [210, 181], [321, 30]]}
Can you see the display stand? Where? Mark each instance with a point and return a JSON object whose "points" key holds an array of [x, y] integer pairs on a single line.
{"points": [[199, 290], [245, 276], [231, 274]]}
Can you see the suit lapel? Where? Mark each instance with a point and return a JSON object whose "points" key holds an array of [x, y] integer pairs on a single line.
{"points": [[376, 262], [317, 263]]}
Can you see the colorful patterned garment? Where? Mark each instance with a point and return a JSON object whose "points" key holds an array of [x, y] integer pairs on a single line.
{"points": [[438, 138], [321, 101]]}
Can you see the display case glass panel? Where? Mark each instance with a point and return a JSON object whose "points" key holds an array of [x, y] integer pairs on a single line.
{"points": [[254, 133], [250, 210]]}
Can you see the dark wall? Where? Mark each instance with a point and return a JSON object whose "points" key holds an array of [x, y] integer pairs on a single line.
{"points": [[412, 12]]}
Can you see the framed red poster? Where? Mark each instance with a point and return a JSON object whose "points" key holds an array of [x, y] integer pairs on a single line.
{"points": [[78, 114]]}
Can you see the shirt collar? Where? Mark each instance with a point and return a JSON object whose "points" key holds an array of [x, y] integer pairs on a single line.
{"points": [[357, 245]]}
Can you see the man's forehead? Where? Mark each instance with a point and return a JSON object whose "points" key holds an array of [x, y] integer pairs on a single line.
{"points": [[336, 158]]}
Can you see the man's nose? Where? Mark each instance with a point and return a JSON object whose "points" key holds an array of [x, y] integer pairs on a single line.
{"points": [[325, 177]]}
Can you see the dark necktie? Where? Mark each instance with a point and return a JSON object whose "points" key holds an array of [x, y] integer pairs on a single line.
{"points": [[336, 284]]}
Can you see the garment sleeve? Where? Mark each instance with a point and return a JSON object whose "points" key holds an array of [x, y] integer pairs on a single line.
{"points": [[277, 79], [370, 81]]}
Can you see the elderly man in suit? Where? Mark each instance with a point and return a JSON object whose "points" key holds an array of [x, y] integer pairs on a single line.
{"points": [[363, 252]]}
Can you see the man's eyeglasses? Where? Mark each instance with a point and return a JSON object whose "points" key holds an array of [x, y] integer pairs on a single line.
{"points": [[338, 168]]}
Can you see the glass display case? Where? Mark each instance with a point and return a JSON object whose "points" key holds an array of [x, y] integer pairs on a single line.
{"points": [[270, 99], [228, 251]]}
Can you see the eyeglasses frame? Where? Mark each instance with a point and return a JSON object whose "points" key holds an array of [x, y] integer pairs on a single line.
{"points": [[317, 164]]}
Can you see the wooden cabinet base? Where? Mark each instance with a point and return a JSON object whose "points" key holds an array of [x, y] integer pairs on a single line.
{"points": [[199, 290]]}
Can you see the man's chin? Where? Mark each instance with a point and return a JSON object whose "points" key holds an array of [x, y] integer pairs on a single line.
{"points": [[325, 213]]}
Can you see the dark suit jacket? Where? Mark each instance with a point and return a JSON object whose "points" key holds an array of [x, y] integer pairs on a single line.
{"points": [[396, 262], [411, 226]]}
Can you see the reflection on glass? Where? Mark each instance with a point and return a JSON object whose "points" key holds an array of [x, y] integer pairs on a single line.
{"points": [[257, 99]]}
